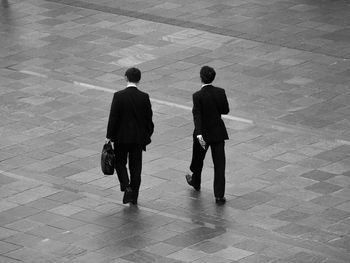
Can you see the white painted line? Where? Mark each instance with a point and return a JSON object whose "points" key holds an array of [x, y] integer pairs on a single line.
{"points": [[344, 142], [163, 102], [89, 86], [33, 73], [171, 104], [234, 118], [281, 128]]}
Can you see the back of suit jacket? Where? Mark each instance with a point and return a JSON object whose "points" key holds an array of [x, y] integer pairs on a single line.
{"points": [[130, 119], [208, 105]]}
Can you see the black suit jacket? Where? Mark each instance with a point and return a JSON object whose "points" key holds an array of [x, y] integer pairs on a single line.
{"points": [[208, 105], [130, 118]]}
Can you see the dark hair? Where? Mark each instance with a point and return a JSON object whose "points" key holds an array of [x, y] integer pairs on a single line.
{"points": [[133, 75], [207, 74]]}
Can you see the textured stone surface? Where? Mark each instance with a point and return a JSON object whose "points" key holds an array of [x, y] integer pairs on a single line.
{"points": [[285, 67]]}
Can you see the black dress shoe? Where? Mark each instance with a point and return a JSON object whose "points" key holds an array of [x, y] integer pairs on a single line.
{"points": [[134, 197], [127, 198], [220, 201], [189, 181], [123, 187]]}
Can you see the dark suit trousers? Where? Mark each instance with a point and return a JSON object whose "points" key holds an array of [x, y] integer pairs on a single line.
{"points": [[219, 160], [131, 154]]}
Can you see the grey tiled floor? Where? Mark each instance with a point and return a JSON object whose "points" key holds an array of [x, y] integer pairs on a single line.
{"points": [[285, 67]]}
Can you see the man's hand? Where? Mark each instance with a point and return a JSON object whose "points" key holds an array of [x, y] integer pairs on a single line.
{"points": [[109, 141], [201, 141]]}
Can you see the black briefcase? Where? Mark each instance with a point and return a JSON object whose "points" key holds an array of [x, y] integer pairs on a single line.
{"points": [[107, 159]]}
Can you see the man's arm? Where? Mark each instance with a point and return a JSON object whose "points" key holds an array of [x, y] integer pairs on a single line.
{"points": [[197, 115], [149, 115], [113, 119], [197, 119], [225, 109]]}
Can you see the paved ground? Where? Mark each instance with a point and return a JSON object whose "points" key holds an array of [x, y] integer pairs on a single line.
{"points": [[286, 69]]}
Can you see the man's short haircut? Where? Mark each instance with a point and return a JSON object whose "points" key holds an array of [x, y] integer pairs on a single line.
{"points": [[133, 75], [207, 74]]}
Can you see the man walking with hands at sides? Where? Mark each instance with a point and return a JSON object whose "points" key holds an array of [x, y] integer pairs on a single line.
{"points": [[130, 128], [209, 103]]}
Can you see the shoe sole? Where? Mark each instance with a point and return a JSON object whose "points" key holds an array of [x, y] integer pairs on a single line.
{"points": [[189, 183], [220, 202]]}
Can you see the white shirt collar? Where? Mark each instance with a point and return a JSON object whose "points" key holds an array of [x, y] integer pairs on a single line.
{"points": [[130, 84], [207, 84]]}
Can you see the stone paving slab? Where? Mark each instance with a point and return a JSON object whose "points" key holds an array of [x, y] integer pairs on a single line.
{"points": [[284, 66]]}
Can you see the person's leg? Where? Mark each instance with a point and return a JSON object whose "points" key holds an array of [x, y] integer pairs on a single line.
{"points": [[219, 160], [198, 155], [121, 154], [135, 168]]}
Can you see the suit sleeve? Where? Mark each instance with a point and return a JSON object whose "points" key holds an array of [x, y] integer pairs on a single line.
{"points": [[113, 119], [197, 115], [225, 109], [149, 115]]}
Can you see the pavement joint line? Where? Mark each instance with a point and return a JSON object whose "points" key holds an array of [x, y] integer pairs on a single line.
{"points": [[21, 177], [163, 102], [139, 207]]}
